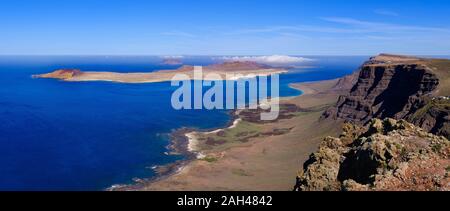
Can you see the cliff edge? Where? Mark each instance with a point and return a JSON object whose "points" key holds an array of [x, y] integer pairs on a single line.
{"points": [[408, 150], [399, 87], [388, 155]]}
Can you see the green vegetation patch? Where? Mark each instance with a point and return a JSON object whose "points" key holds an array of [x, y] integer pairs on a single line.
{"points": [[441, 67], [438, 104], [210, 159], [241, 172], [242, 133], [437, 148]]}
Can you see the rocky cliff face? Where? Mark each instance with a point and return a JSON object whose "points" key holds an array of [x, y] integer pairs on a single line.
{"points": [[388, 155], [433, 116], [392, 87]]}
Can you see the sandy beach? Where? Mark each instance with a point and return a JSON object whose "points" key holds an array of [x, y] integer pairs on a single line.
{"points": [[193, 138]]}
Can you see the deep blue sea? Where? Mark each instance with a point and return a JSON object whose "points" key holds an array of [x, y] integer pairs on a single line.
{"points": [[90, 135]]}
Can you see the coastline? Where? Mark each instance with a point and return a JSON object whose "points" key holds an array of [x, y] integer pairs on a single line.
{"points": [[184, 141], [192, 146], [260, 155], [218, 168], [313, 97]]}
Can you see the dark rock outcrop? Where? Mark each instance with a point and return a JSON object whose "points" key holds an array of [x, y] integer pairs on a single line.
{"points": [[384, 91], [388, 155], [393, 87], [433, 116]]}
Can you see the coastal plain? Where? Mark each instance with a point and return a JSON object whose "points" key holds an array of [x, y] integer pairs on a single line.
{"points": [[261, 156], [257, 154]]}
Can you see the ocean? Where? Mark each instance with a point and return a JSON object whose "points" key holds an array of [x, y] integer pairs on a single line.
{"points": [[91, 135]]}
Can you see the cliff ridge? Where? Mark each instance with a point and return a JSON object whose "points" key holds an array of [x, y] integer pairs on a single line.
{"points": [[388, 155], [398, 87]]}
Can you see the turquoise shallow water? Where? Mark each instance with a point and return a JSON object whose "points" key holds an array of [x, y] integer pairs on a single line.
{"points": [[90, 135]]}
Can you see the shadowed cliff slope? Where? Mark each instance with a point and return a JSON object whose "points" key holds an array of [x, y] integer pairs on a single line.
{"points": [[398, 87]]}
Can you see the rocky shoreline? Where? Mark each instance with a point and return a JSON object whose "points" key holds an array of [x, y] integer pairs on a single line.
{"points": [[179, 145], [182, 143]]}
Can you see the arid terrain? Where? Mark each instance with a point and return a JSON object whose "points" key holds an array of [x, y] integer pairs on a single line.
{"points": [[258, 154]]}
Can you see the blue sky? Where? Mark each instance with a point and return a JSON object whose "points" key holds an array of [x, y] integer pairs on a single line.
{"points": [[225, 27]]}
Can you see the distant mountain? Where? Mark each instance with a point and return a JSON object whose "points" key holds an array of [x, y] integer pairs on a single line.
{"points": [[238, 65], [172, 61]]}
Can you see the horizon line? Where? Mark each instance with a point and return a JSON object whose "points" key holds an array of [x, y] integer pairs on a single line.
{"points": [[212, 55]]}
